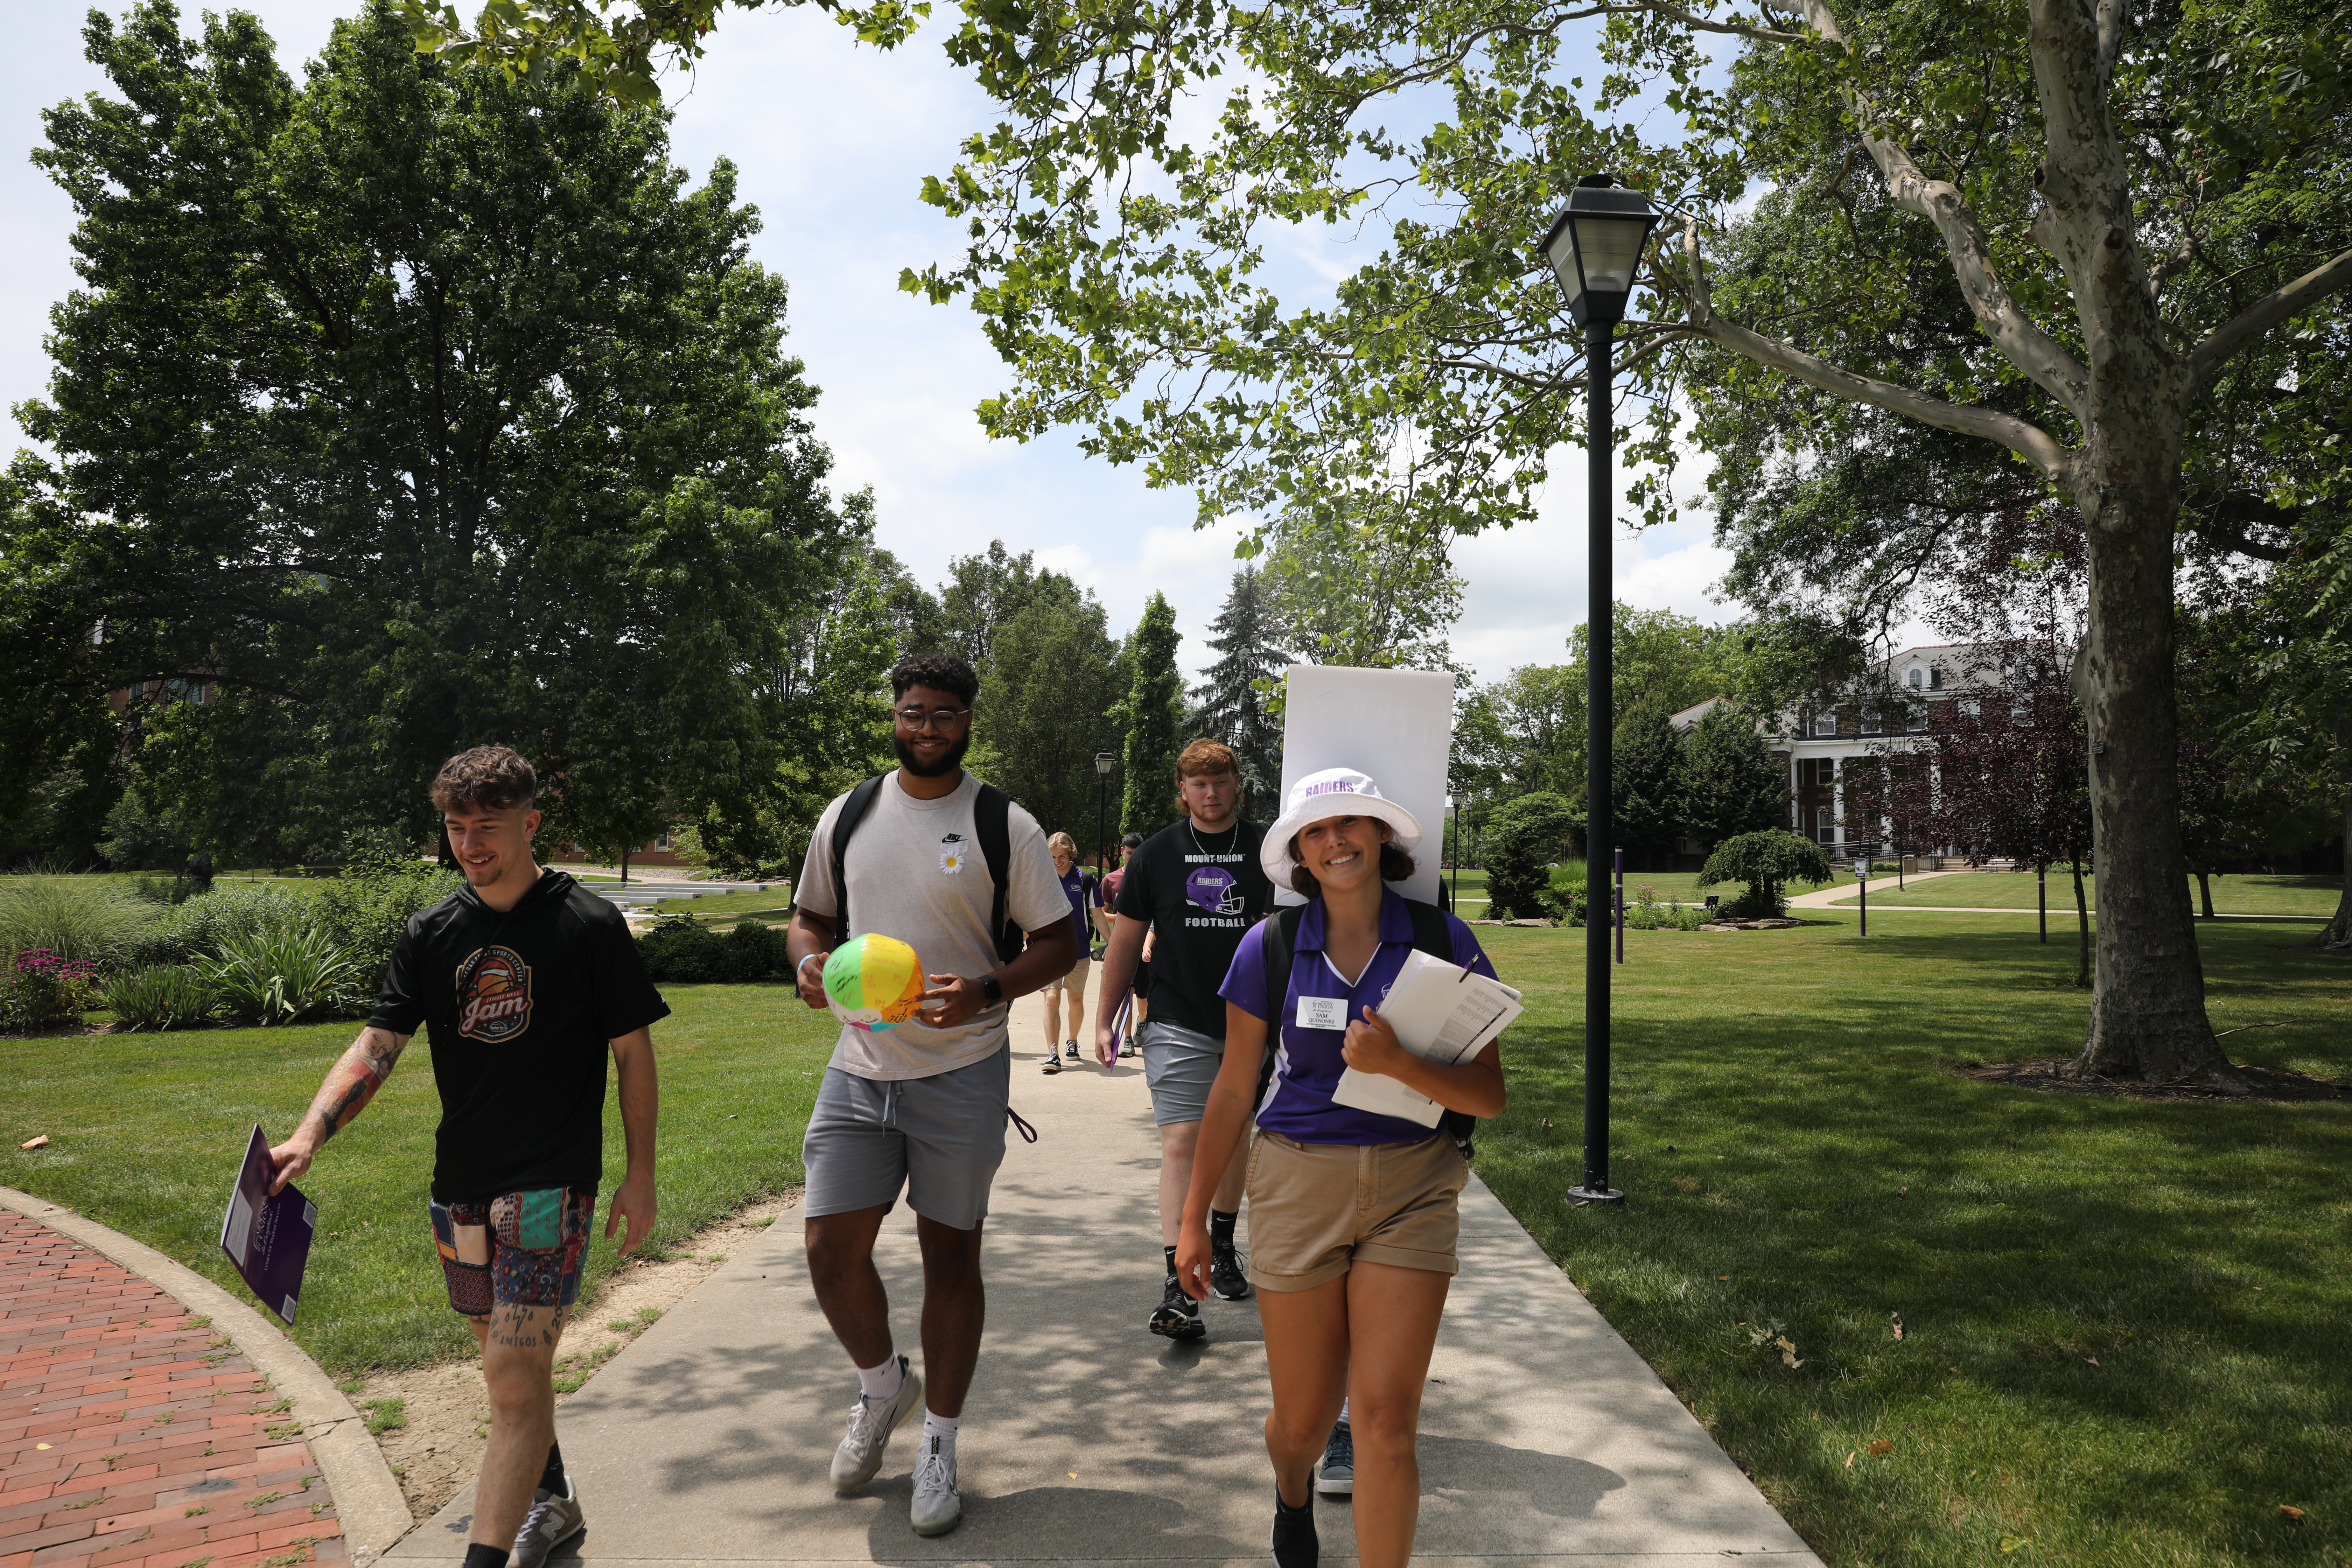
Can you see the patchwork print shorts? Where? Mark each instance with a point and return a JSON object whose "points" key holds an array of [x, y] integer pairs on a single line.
{"points": [[522, 1249]]}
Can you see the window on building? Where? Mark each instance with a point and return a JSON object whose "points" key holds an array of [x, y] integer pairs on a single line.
{"points": [[1917, 722], [1825, 829], [1870, 724], [1970, 707], [1916, 679], [1935, 677], [1826, 723]]}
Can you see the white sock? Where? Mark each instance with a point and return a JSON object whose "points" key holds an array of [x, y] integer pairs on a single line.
{"points": [[943, 1427], [881, 1383], [1343, 1412]]}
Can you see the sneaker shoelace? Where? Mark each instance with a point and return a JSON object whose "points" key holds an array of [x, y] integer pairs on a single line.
{"points": [[866, 1417], [542, 1516], [934, 1470]]}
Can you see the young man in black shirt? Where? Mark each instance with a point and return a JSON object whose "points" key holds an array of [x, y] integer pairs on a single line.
{"points": [[524, 979], [1195, 888]]}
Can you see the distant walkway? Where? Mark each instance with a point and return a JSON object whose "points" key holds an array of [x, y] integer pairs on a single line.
{"points": [[1828, 897], [1546, 1442], [131, 1434]]}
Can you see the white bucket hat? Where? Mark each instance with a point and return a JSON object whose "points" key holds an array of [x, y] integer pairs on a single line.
{"points": [[1334, 792]]}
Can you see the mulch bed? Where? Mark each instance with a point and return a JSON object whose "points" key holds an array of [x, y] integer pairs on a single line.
{"points": [[2056, 1077]]}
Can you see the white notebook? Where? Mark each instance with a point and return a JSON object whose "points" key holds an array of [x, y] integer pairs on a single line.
{"points": [[1441, 1012]]}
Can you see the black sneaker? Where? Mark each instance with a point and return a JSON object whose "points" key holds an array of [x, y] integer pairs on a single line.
{"points": [[1293, 1542], [1177, 1316], [1071, 1050], [1226, 1276], [1336, 1476], [1053, 1063]]}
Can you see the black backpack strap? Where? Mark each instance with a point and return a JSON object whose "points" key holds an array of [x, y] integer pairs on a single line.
{"points": [[1281, 940], [992, 820], [853, 806]]}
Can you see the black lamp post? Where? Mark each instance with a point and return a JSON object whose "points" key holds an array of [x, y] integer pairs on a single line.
{"points": [[1593, 247], [1103, 761]]}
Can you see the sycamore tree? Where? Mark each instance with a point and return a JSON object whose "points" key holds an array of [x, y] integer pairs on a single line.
{"points": [[401, 408], [2138, 208]]}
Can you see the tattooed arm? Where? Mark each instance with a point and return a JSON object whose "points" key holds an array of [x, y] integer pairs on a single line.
{"points": [[350, 1084]]}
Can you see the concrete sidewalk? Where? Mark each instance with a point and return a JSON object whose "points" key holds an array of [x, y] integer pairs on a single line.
{"points": [[1545, 1439]]}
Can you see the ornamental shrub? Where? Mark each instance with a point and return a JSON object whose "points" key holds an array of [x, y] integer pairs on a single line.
{"points": [[79, 919], [202, 926], [681, 950], [1524, 837], [1768, 862], [42, 988], [168, 996], [275, 976]]}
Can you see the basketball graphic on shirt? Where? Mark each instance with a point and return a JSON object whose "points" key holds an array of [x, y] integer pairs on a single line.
{"points": [[1214, 890], [872, 981], [493, 994]]}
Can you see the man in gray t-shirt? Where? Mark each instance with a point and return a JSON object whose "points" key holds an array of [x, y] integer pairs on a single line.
{"points": [[921, 1107]]}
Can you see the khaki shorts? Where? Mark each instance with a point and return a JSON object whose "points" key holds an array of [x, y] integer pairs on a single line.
{"points": [[1076, 980], [1315, 1209]]}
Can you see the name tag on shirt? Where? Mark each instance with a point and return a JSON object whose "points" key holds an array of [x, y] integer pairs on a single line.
{"points": [[1322, 1012]]}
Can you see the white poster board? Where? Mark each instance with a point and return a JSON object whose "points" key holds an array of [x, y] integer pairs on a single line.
{"points": [[1396, 726]]}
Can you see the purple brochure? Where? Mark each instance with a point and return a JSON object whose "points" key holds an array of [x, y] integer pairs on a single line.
{"points": [[268, 1239]]}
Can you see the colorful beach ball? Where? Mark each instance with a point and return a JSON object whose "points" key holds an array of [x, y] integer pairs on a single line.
{"points": [[874, 982]]}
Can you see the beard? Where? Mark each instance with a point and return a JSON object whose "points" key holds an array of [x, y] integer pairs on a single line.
{"points": [[947, 764]]}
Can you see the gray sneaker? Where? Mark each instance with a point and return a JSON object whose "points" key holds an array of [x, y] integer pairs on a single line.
{"points": [[1336, 1476], [938, 1505], [871, 1422], [552, 1522]]}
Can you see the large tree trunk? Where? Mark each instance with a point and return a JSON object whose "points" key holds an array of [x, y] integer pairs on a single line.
{"points": [[2337, 936], [2148, 1005]]}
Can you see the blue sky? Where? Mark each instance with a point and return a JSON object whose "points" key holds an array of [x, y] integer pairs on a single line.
{"points": [[832, 142]]}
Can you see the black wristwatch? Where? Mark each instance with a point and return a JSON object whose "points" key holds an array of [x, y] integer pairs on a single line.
{"points": [[990, 989]]}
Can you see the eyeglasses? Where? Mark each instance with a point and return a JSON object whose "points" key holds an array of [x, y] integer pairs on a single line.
{"points": [[921, 719]]}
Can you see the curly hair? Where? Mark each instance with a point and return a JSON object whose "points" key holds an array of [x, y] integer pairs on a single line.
{"points": [[495, 777], [939, 671]]}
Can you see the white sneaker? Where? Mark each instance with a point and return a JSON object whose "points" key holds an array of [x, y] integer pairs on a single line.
{"points": [[871, 1422], [938, 1504]]}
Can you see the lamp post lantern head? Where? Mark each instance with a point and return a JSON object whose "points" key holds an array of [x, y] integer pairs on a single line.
{"points": [[1595, 244], [1103, 761]]}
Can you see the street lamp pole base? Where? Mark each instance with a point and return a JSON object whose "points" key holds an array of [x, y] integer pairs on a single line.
{"points": [[1584, 1196]]}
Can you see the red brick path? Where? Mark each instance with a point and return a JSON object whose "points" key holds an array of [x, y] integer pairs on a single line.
{"points": [[131, 1434]]}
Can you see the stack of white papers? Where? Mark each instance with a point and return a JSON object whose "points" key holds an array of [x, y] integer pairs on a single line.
{"points": [[1441, 1012]]}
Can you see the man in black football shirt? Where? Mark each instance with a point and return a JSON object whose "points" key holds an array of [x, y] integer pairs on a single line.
{"points": [[525, 980], [1195, 889]]}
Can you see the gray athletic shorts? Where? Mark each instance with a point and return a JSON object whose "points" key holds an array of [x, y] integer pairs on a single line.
{"points": [[940, 1139], [1178, 1066]]}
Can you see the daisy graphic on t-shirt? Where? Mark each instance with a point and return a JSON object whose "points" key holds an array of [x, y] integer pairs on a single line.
{"points": [[952, 860]]}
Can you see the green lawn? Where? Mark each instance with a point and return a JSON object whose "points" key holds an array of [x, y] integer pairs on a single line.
{"points": [[2250, 895], [1775, 1094], [730, 907], [1668, 886], [146, 1131]]}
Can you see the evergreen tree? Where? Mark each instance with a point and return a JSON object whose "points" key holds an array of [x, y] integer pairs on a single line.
{"points": [[1231, 707], [1731, 783], [1647, 782], [1153, 716]]}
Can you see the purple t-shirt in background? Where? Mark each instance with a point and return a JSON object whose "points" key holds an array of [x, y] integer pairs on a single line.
{"points": [[1307, 1064]]}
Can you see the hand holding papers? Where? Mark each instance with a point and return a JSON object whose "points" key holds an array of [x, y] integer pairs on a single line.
{"points": [[267, 1238], [1441, 1012]]}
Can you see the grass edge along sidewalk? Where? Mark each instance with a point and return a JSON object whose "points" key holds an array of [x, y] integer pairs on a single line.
{"points": [[2119, 1316], [2120, 1338], [145, 1131]]}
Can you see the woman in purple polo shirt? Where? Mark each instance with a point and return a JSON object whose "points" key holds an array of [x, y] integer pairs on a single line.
{"points": [[1352, 1216]]}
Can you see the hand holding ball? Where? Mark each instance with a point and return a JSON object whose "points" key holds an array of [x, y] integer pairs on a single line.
{"points": [[872, 981]]}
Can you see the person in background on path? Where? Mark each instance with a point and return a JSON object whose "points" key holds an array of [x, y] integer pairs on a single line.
{"points": [[524, 980], [920, 1108], [1190, 893], [1107, 923], [1354, 1216], [1083, 891]]}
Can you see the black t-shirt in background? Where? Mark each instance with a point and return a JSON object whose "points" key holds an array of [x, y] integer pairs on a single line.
{"points": [[521, 1008], [1200, 892]]}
